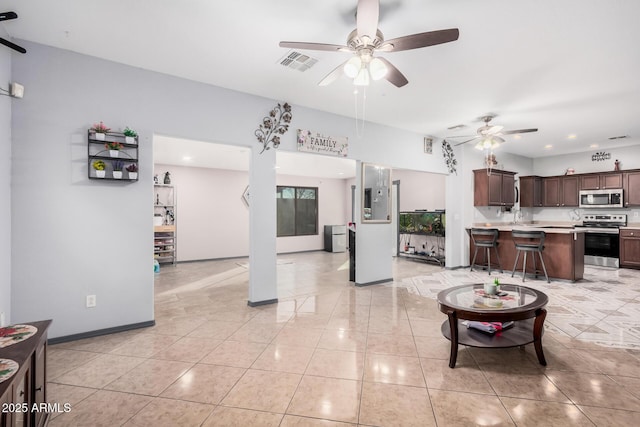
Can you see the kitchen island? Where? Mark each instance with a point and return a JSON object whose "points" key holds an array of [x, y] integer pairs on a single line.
{"points": [[563, 250]]}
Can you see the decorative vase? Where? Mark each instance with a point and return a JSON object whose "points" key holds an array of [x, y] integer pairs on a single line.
{"points": [[100, 136], [130, 139], [490, 288], [167, 178], [133, 175], [117, 174], [114, 153], [100, 174]]}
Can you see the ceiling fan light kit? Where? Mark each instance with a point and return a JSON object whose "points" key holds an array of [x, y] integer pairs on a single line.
{"points": [[365, 41]]}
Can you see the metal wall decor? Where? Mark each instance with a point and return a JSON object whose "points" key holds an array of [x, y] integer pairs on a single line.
{"points": [[274, 125], [449, 157], [600, 156]]}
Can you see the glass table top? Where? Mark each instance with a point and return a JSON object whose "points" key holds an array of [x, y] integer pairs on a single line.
{"points": [[510, 297]]}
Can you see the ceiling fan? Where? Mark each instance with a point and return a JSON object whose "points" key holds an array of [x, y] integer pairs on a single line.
{"points": [[365, 41], [490, 136], [5, 16]]}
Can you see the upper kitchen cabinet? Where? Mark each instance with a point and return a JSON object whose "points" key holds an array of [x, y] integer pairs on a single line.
{"points": [[631, 188], [600, 181], [530, 191], [560, 191], [493, 188]]}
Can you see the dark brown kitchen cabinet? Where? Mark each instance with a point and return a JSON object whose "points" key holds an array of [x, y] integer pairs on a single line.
{"points": [[560, 191], [25, 391], [600, 181], [493, 188], [630, 247], [631, 187], [530, 191]]}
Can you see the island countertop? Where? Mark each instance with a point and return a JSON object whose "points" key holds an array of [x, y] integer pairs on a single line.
{"points": [[563, 249], [547, 227]]}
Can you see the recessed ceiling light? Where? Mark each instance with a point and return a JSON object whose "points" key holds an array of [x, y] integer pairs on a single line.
{"points": [[572, 136], [594, 146], [186, 158], [340, 173], [546, 147], [516, 136]]}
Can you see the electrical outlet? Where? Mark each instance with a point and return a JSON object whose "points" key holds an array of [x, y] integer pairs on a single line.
{"points": [[91, 301]]}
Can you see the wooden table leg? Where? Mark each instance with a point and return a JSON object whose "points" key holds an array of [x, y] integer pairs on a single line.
{"points": [[453, 326], [537, 335]]}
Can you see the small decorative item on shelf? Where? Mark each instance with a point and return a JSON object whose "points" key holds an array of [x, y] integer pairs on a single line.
{"points": [[100, 131], [132, 170], [99, 166], [130, 135], [114, 148], [616, 165], [117, 166], [167, 178], [492, 288]]}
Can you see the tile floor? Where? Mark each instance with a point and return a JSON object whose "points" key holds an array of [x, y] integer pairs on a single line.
{"points": [[330, 354]]}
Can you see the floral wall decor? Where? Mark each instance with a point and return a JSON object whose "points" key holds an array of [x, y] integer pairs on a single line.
{"points": [[449, 157], [274, 125]]}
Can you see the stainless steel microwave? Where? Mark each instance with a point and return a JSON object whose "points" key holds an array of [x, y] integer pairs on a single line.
{"points": [[601, 198]]}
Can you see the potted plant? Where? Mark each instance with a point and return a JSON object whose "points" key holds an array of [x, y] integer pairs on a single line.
{"points": [[117, 166], [114, 148], [132, 169], [130, 135], [100, 131], [492, 288], [99, 167]]}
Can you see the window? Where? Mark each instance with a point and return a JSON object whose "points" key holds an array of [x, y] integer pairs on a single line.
{"points": [[297, 211]]}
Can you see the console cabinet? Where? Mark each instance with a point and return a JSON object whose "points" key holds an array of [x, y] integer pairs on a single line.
{"points": [[26, 389], [494, 188], [630, 247]]}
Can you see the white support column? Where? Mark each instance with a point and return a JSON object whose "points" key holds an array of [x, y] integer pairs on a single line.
{"points": [[263, 280]]}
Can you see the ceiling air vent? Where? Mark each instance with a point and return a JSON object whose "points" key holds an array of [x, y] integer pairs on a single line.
{"points": [[297, 61], [618, 137]]}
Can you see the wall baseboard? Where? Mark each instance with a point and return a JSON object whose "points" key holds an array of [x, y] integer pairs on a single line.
{"points": [[259, 303], [377, 282], [100, 332]]}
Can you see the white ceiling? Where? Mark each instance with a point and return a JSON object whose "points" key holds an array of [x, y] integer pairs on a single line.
{"points": [[566, 67]]}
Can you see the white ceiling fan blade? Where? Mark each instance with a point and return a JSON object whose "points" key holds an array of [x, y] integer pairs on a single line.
{"points": [[367, 18], [333, 75], [416, 41], [468, 140], [513, 132], [315, 46], [394, 76], [495, 129], [497, 139]]}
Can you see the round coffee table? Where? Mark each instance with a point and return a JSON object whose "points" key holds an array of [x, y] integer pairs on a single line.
{"points": [[521, 304]]}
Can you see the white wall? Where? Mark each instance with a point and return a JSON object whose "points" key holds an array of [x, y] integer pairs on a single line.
{"points": [[420, 190], [5, 184], [213, 221], [73, 237]]}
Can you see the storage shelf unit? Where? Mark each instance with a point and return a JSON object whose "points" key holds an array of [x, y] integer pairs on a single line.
{"points": [[428, 226], [165, 236], [96, 150]]}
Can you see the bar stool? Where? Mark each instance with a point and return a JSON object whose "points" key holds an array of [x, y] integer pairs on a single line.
{"points": [[485, 238], [529, 241]]}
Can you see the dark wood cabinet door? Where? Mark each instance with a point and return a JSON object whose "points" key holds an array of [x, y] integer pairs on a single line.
{"points": [[527, 191], [508, 191], [569, 191], [495, 189], [551, 191], [630, 248], [590, 182], [21, 397], [611, 180], [39, 383], [631, 189], [5, 416]]}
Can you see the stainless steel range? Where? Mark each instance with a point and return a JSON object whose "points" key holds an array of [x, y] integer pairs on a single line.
{"points": [[602, 238]]}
